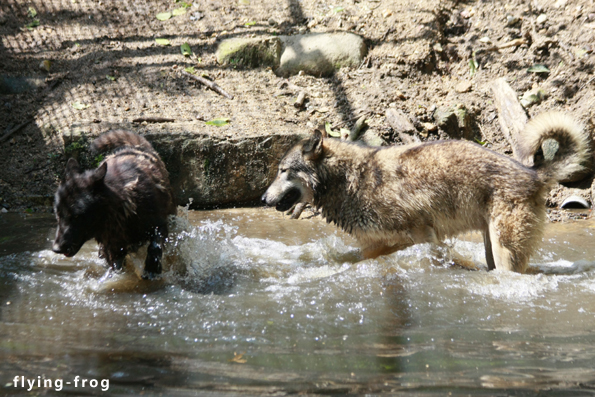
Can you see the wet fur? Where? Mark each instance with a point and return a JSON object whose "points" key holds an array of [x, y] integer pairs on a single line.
{"points": [[122, 204], [394, 197]]}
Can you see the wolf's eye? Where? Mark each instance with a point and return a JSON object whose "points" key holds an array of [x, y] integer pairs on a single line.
{"points": [[282, 170]]}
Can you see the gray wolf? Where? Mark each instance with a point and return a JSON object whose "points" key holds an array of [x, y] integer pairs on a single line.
{"points": [[123, 203], [393, 197]]}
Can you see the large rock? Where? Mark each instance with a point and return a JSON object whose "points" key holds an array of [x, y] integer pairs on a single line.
{"points": [[18, 84], [457, 121], [401, 124], [204, 164], [318, 54]]}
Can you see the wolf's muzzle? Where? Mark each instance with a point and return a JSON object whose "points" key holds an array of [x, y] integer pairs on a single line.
{"points": [[68, 251], [288, 200]]}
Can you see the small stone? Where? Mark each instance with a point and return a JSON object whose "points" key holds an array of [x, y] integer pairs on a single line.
{"points": [[512, 20], [533, 97], [45, 65], [468, 13], [400, 95], [430, 127], [551, 31], [464, 86], [541, 19], [456, 121], [371, 138], [399, 121], [4, 210], [196, 16], [272, 22]]}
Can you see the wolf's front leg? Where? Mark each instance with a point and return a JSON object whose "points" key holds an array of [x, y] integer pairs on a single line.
{"points": [[379, 249], [115, 260], [154, 254]]}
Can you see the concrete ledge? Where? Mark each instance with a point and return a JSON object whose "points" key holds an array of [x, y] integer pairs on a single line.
{"points": [[213, 169]]}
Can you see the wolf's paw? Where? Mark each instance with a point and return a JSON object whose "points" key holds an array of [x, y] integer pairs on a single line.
{"points": [[150, 275], [465, 264]]}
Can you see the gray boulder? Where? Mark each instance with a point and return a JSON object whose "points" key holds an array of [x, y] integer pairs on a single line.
{"points": [[320, 54]]}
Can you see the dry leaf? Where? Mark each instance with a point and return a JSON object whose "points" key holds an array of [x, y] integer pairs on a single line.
{"points": [[237, 358]]}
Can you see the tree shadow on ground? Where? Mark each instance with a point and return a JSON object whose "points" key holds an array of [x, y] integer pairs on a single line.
{"points": [[93, 44]]}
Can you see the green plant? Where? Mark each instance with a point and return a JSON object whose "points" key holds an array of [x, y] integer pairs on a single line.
{"points": [[76, 146], [97, 160]]}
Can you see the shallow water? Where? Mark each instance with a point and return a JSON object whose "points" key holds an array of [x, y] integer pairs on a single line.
{"points": [[253, 302]]}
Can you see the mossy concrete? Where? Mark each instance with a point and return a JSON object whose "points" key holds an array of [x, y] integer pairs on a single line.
{"points": [[251, 52]]}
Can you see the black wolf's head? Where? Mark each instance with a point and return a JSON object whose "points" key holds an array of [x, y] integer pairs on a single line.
{"points": [[78, 207], [296, 178]]}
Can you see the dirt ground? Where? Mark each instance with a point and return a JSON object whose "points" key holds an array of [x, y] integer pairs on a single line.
{"points": [[107, 67]]}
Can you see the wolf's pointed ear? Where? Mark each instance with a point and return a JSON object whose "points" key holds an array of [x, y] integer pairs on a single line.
{"points": [[99, 173], [321, 127], [312, 149], [72, 168]]}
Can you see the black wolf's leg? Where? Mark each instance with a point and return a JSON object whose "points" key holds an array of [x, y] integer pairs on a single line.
{"points": [[113, 256], [154, 254], [101, 253], [116, 262]]}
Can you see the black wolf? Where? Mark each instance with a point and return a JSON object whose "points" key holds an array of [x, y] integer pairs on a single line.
{"points": [[123, 203]]}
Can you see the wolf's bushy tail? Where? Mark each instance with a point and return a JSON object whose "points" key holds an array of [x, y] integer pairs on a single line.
{"points": [[573, 153], [119, 138]]}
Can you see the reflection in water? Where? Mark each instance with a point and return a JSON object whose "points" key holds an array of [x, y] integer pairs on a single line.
{"points": [[250, 301]]}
